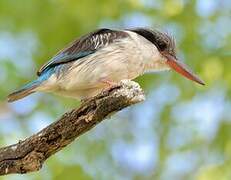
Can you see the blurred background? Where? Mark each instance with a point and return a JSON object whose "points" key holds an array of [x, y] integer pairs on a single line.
{"points": [[182, 130]]}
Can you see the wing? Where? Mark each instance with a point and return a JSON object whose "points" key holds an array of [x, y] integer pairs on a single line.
{"points": [[84, 46]]}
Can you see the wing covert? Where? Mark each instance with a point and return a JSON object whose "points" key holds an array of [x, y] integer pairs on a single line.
{"points": [[84, 46]]}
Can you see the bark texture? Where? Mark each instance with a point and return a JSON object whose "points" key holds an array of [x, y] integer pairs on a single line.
{"points": [[30, 154]]}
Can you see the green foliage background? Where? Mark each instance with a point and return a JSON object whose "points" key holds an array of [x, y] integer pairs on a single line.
{"points": [[182, 130]]}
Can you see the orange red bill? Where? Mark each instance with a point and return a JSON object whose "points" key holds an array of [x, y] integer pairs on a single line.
{"points": [[182, 69]]}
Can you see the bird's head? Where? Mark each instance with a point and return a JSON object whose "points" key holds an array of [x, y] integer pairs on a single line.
{"points": [[167, 49]]}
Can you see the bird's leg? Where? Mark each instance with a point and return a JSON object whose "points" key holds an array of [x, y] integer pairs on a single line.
{"points": [[110, 84]]}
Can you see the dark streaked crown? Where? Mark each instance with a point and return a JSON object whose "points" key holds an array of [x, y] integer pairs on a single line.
{"points": [[162, 41]]}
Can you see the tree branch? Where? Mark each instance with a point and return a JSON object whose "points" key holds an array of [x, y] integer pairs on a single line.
{"points": [[29, 155]]}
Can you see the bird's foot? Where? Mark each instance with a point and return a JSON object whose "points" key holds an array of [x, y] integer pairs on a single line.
{"points": [[109, 85]]}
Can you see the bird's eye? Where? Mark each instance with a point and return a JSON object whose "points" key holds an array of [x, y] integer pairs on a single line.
{"points": [[162, 46]]}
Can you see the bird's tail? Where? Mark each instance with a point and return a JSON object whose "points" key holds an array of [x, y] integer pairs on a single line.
{"points": [[24, 91]]}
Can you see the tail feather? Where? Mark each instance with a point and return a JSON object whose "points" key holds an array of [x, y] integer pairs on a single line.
{"points": [[24, 91]]}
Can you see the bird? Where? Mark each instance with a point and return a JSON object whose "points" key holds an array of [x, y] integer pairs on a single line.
{"points": [[101, 59]]}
